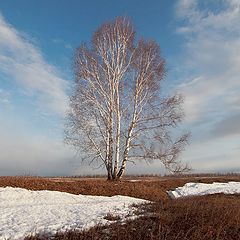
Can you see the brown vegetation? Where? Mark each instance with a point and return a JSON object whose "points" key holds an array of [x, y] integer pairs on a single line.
{"points": [[214, 217], [152, 188]]}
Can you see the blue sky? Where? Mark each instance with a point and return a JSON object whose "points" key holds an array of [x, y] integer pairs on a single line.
{"points": [[200, 41]]}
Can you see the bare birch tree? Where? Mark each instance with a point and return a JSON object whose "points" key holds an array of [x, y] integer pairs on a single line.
{"points": [[117, 114]]}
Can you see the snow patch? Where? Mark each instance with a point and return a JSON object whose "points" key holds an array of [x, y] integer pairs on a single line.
{"points": [[134, 180], [195, 189], [24, 212]]}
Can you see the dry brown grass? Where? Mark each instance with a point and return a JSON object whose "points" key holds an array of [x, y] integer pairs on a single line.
{"points": [[214, 217], [151, 188]]}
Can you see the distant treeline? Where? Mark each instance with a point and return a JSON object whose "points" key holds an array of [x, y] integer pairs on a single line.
{"points": [[156, 175]]}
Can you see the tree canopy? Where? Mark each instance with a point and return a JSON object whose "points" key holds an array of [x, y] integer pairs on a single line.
{"points": [[118, 113]]}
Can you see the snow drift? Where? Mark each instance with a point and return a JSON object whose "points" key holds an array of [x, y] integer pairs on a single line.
{"points": [[195, 189], [24, 212]]}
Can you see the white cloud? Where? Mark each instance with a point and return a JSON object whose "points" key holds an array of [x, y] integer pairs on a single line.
{"points": [[22, 61], [24, 147], [214, 156], [212, 50], [4, 97], [211, 32], [25, 150], [62, 42], [68, 46], [199, 16]]}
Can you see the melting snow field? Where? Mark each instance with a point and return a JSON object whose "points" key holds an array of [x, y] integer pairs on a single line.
{"points": [[24, 212], [194, 189]]}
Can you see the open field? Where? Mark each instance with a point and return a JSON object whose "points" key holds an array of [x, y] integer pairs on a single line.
{"points": [[149, 188], [214, 217], [207, 217]]}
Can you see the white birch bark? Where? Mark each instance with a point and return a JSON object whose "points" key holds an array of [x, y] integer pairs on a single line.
{"points": [[118, 79]]}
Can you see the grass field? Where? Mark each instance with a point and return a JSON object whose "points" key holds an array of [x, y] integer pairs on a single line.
{"points": [[207, 217]]}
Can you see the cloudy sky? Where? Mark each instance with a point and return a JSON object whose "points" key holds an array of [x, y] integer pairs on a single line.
{"points": [[200, 41]]}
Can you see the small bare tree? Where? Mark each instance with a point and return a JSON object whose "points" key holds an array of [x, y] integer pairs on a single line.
{"points": [[117, 113]]}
